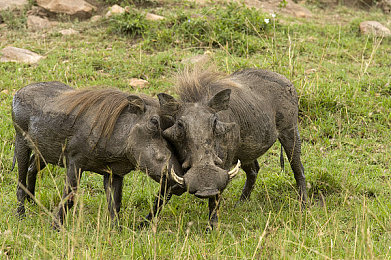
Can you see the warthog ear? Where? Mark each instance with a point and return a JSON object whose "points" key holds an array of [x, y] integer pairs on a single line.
{"points": [[220, 101], [136, 104], [168, 104], [222, 128]]}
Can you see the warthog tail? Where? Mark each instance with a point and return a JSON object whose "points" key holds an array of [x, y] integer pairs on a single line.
{"points": [[282, 158], [13, 162]]}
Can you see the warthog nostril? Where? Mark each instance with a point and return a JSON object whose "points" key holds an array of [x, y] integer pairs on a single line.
{"points": [[218, 161], [160, 157], [186, 164]]}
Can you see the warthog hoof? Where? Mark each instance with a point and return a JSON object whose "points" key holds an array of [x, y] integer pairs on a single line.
{"points": [[21, 211]]}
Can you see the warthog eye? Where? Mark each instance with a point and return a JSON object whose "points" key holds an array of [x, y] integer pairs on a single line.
{"points": [[180, 125], [220, 128], [214, 122]]}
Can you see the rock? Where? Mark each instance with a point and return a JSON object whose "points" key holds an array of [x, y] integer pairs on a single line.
{"points": [[12, 4], [138, 83], [153, 17], [201, 59], [374, 28], [19, 55], [114, 10], [74, 8], [69, 31], [36, 23], [96, 18], [385, 5]]}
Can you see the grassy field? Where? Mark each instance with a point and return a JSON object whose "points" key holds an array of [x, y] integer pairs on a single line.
{"points": [[343, 82]]}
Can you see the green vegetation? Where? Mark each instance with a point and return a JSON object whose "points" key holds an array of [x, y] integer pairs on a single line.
{"points": [[235, 27], [343, 82]]}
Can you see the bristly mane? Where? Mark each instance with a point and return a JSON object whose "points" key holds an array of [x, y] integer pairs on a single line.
{"points": [[104, 105], [198, 86], [194, 85]]}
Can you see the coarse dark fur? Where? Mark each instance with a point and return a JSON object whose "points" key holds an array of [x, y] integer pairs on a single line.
{"points": [[221, 119], [105, 131]]}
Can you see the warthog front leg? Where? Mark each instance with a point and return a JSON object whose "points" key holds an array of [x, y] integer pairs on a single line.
{"points": [[214, 203], [113, 186], [251, 172], [36, 165], [163, 197], [72, 181]]}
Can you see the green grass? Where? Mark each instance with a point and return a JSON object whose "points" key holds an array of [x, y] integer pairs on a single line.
{"points": [[343, 82]]}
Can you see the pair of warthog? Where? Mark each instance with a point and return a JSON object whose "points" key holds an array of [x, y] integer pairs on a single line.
{"points": [[186, 145]]}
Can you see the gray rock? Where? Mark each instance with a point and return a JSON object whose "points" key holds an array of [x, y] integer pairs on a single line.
{"points": [[374, 28], [11, 4], [74, 8], [14, 54], [198, 59], [96, 18], [153, 17], [69, 31]]}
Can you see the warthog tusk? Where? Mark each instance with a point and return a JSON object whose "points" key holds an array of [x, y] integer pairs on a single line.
{"points": [[232, 173], [176, 178]]}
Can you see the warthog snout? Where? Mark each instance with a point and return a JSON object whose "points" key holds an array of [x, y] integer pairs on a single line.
{"points": [[206, 181]]}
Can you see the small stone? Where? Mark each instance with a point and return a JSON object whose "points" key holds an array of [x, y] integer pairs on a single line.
{"points": [[5, 91], [36, 23], [68, 31], [302, 14], [7, 232], [115, 10], [203, 58], [374, 28], [153, 17], [96, 18], [14, 54], [138, 83]]}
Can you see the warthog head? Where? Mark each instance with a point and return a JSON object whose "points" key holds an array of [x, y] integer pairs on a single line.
{"points": [[199, 138], [145, 142]]}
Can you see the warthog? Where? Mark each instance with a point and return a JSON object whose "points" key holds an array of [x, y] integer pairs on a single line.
{"points": [[221, 120], [104, 130]]}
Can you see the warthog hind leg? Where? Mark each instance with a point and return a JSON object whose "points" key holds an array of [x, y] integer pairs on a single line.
{"points": [[290, 140], [22, 154]]}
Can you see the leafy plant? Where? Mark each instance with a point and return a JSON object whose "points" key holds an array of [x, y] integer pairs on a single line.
{"points": [[131, 23]]}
